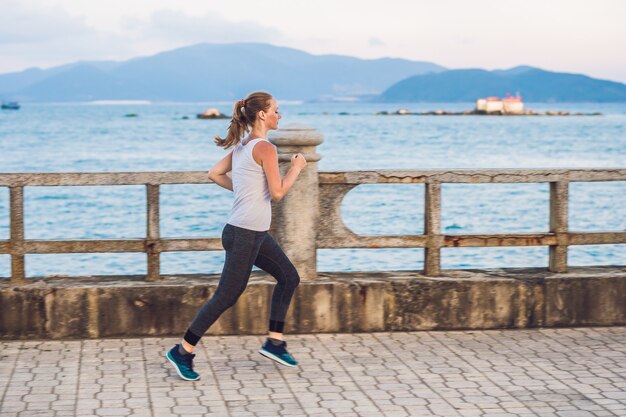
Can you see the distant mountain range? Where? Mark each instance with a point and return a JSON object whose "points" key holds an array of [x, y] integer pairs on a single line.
{"points": [[210, 72], [533, 84], [218, 72]]}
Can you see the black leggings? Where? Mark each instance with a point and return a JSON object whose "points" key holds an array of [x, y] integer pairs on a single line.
{"points": [[245, 248]]}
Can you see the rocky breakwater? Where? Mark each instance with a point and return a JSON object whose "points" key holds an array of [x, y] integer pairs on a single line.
{"points": [[474, 112], [212, 114]]}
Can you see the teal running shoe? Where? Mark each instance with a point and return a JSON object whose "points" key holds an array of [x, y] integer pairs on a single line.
{"points": [[183, 364], [278, 353]]}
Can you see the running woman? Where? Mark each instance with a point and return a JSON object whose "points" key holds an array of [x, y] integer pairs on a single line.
{"points": [[255, 180]]}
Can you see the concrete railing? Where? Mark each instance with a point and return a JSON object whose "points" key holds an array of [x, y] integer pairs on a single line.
{"points": [[334, 186], [309, 216]]}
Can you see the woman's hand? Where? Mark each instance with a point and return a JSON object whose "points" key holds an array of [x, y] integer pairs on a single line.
{"points": [[265, 154], [298, 161]]}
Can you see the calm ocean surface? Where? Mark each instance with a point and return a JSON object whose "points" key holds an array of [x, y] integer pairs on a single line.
{"points": [[96, 138]]}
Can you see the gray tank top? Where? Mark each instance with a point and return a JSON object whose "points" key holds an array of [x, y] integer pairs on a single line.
{"points": [[252, 208]]}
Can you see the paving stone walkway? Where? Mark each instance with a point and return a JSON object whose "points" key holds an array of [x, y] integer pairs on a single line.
{"points": [[545, 372]]}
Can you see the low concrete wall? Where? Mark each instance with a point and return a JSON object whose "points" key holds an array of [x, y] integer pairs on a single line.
{"points": [[335, 302]]}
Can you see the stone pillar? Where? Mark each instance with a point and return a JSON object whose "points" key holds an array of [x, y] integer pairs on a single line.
{"points": [[18, 267], [295, 217], [432, 229], [559, 209]]}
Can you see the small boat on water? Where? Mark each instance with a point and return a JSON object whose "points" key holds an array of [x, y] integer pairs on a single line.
{"points": [[10, 105]]}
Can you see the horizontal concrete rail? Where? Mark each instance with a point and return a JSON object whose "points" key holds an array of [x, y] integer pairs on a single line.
{"points": [[472, 176], [102, 178], [468, 176], [113, 246]]}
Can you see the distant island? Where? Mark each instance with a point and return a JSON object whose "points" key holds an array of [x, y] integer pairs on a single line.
{"points": [[536, 85], [212, 73]]}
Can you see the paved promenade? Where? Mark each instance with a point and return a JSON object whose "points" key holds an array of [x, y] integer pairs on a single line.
{"points": [[556, 372]]}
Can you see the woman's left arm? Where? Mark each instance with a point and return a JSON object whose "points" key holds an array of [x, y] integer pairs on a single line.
{"points": [[218, 174]]}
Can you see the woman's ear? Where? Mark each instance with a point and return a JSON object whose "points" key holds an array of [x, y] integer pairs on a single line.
{"points": [[261, 115]]}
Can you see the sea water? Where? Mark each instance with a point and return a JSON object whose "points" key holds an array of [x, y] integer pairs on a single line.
{"points": [[168, 137]]}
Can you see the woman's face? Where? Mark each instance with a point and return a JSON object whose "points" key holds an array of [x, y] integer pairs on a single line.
{"points": [[272, 116]]}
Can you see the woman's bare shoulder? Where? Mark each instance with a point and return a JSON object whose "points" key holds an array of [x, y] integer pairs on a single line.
{"points": [[264, 147]]}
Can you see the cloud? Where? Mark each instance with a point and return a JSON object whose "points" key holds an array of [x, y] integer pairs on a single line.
{"points": [[34, 34], [375, 42], [20, 23], [465, 40], [176, 27], [45, 36]]}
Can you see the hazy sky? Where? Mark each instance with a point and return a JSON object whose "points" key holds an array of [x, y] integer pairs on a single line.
{"points": [[562, 35]]}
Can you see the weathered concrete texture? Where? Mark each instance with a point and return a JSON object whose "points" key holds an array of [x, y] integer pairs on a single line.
{"points": [[337, 302]]}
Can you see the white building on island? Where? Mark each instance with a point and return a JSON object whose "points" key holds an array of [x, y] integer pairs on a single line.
{"points": [[507, 105]]}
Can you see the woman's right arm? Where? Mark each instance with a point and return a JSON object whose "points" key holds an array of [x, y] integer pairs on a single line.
{"points": [[265, 154], [218, 174]]}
